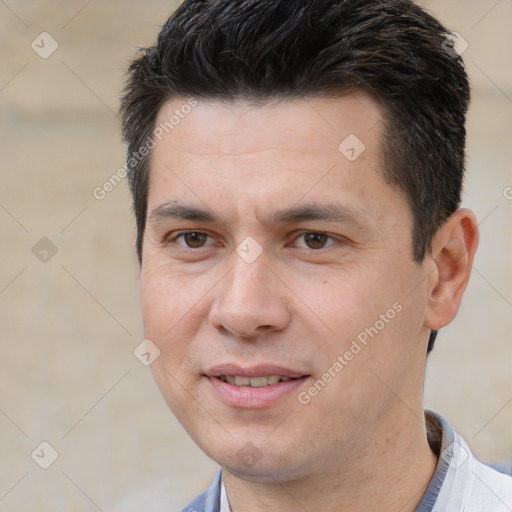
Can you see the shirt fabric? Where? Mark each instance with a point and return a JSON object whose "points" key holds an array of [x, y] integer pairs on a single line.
{"points": [[460, 483]]}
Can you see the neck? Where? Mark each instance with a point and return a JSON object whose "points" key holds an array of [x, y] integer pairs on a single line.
{"points": [[395, 479]]}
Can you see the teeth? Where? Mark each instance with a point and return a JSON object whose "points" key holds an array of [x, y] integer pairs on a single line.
{"points": [[254, 382], [258, 382]]}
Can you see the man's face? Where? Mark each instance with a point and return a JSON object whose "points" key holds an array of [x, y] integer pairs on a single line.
{"points": [[302, 259]]}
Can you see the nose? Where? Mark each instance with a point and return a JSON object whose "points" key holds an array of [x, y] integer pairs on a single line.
{"points": [[251, 301]]}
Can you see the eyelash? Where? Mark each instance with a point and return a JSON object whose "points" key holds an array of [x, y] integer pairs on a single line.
{"points": [[183, 233]]}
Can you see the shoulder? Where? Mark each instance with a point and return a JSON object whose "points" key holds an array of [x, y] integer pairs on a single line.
{"points": [[461, 481], [489, 489], [473, 486], [208, 501]]}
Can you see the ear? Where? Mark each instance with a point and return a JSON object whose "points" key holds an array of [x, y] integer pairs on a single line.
{"points": [[453, 250]]}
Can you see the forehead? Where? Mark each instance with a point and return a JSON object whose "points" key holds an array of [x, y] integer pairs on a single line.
{"points": [[239, 127], [236, 157]]}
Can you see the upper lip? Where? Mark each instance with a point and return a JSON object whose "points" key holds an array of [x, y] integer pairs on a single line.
{"points": [[252, 371]]}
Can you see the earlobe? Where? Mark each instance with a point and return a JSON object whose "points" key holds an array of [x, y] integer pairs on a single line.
{"points": [[453, 251]]}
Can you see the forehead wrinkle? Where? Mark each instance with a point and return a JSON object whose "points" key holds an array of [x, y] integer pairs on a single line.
{"points": [[255, 153]]}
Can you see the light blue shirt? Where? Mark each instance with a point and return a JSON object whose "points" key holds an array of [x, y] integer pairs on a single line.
{"points": [[460, 482]]}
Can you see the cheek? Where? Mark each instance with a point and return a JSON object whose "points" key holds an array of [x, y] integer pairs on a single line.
{"points": [[346, 303], [164, 306], [366, 313], [170, 321], [174, 307], [157, 303]]}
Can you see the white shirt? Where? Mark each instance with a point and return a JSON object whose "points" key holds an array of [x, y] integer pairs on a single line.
{"points": [[224, 503]]}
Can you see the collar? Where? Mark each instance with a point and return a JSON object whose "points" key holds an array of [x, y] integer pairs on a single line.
{"points": [[224, 502]]}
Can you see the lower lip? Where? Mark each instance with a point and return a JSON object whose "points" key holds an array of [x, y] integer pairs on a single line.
{"points": [[247, 397]]}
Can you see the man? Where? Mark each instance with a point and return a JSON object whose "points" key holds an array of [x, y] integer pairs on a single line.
{"points": [[296, 169]]}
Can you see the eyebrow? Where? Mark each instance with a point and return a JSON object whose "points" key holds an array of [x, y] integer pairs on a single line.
{"points": [[331, 212]]}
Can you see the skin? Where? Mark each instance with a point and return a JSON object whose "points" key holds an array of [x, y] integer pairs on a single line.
{"points": [[360, 443]]}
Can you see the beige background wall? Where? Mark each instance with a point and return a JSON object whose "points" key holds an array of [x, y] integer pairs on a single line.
{"points": [[68, 325]]}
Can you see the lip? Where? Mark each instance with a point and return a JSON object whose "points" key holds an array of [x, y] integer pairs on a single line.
{"points": [[253, 371], [246, 397]]}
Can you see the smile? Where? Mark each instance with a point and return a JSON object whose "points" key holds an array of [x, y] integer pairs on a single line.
{"points": [[253, 382]]}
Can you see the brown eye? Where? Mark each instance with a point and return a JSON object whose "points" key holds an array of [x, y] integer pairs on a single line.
{"points": [[194, 239], [315, 240]]}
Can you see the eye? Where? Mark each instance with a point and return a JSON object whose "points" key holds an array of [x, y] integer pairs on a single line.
{"points": [[315, 240], [192, 239]]}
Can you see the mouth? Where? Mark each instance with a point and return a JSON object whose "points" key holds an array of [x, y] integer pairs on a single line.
{"points": [[254, 382], [255, 387]]}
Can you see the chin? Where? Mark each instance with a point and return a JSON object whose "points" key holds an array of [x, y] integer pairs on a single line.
{"points": [[255, 462], [266, 471]]}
